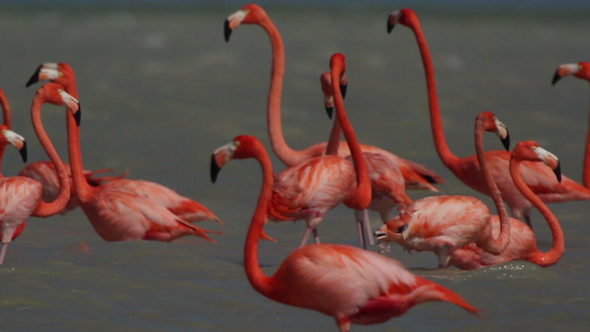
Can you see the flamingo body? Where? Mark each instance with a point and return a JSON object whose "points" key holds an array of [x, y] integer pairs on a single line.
{"points": [[353, 285], [19, 196], [184, 207]]}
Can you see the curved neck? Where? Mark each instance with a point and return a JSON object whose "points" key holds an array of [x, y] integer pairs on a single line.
{"points": [[83, 189], [287, 155], [440, 142], [494, 245], [558, 248], [587, 161], [257, 278], [334, 141], [48, 209], [361, 197]]}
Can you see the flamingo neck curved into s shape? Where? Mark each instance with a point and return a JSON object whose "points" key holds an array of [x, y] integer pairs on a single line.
{"points": [[258, 280], [48, 209], [558, 248]]}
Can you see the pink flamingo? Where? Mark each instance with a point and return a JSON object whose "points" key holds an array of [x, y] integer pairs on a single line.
{"points": [[467, 169], [184, 207], [580, 70], [444, 224], [20, 197], [523, 243], [118, 215], [349, 284], [416, 176], [310, 189], [387, 181]]}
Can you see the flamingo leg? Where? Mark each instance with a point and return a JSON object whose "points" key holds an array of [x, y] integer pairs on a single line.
{"points": [[308, 231], [359, 222], [367, 222], [3, 252], [316, 236]]}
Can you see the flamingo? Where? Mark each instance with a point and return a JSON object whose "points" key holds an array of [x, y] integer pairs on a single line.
{"points": [[467, 169], [523, 243], [352, 285], [387, 181], [444, 224], [118, 215], [310, 189], [184, 207], [580, 70], [416, 176], [20, 197]]}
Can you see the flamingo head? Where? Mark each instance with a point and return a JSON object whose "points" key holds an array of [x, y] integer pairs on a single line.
{"points": [[10, 137], [579, 70], [242, 147], [249, 14], [490, 123], [61, 73], [54, 93], [395, 229], [338, 62], [326, 81], [531, 151], [405, 17]]}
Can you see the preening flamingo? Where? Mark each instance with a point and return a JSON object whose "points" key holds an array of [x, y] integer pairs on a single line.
{"points": [[444, 224], [352, 285], [185, 208], [416, 176], [117, 215], [580, 70], [536, 176], [310, 189], [20, 196], [388, 189], [523, 243]]}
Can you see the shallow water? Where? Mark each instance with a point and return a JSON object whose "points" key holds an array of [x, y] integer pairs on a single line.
{"points": [[160, 92]]}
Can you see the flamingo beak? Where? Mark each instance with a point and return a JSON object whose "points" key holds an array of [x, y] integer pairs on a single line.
{"points": [[18, 141], [226, 31], [390, 25], [215, 169], [379, 234], [343, 88], [23, 152], [503, 134], [35, 78], [556, 77], [557, 171], [330, 111]]}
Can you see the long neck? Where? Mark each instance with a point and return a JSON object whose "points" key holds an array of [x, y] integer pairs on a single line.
{"points": [[334, 141], [48, 209], [558, 248], [361, 198], [494, 246], [83, 189], [440, 142], [7, 122], [287, 155], [587, 161], [257, 278]]}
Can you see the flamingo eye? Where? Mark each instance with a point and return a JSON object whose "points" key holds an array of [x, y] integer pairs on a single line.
{"points": [[402, 228]]}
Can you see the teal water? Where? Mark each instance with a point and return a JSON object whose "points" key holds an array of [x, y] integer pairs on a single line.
{"points": [[161, 91]]}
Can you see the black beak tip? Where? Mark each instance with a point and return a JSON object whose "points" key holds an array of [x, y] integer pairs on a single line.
{"points": [[390, 26], [506, 142], [78, 116], [23, 152], [214, 169], [343, 89], [556, 77], [35, 78], [557, 171], [226, 30], [330, 111]]}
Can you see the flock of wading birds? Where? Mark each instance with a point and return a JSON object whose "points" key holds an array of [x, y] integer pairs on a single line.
{"points": [[351, 284]]}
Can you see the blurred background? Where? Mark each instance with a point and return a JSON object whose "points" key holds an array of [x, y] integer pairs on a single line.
{"points": [[160, 90]]}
